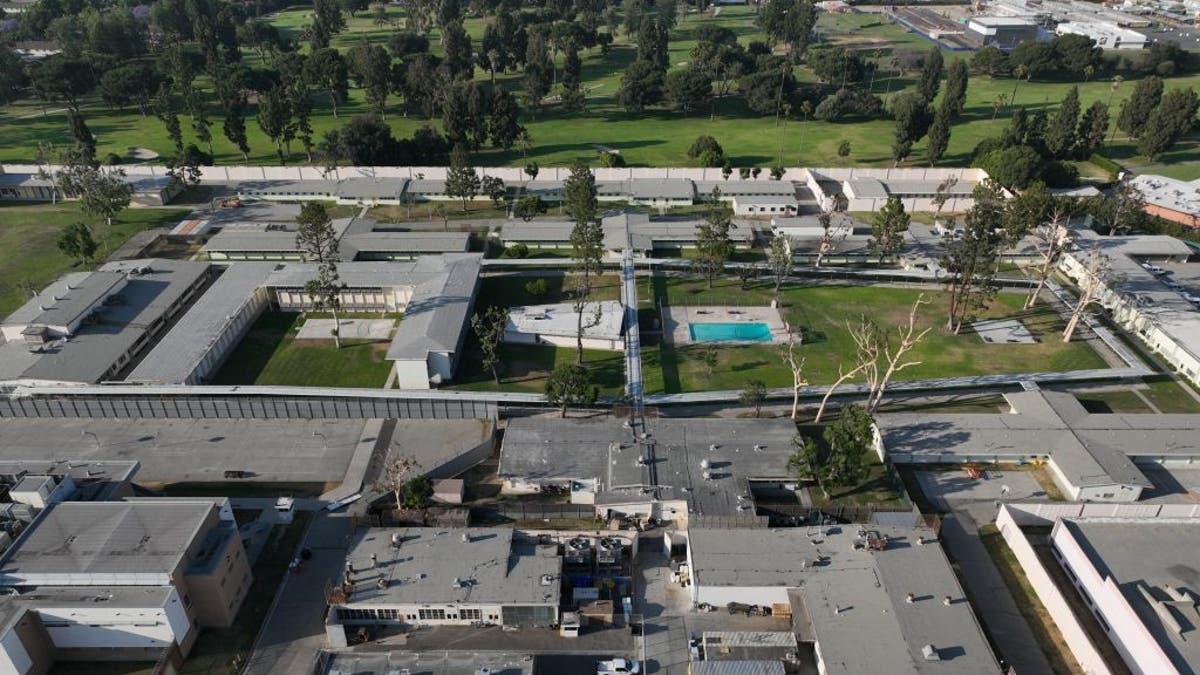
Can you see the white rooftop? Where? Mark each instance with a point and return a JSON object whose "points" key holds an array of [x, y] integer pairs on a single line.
{"points": [[563, 321]]}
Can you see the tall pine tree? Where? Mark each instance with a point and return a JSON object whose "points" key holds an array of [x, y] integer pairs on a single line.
{"points": [[1060, 132]]}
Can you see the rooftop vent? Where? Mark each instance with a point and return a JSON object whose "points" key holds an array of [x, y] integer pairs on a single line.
{"points": [[547, 579], [397, 540], [930, 653]]}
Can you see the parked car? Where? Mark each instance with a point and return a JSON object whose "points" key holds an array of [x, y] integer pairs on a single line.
{"points": [[618, 667], [1155, 269]]}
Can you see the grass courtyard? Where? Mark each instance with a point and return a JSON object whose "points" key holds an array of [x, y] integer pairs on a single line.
{"points": [[659, 137], [29, 255], [270, 354], [821, 311]]}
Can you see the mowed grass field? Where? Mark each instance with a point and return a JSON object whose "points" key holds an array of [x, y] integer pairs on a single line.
{"points": [[655, 138], [270, 354], [29, 255]]}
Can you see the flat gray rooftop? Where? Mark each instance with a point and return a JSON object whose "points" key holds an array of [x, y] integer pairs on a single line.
{"points": [[431, 663], [93, 479], [1090, 449], [855, 599], [490, 567], [1147, 556], [96, 347], [72, 541], [737, 451], [197, 450]]}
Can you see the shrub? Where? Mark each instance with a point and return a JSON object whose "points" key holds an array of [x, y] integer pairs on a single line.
{"points": [[536, 288], [516, 251]]}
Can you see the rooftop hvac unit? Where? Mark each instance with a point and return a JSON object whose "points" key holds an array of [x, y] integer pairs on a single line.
{"points": [[578, 551], [704, 464], [930, 653], [610, 551], [397, 540]]}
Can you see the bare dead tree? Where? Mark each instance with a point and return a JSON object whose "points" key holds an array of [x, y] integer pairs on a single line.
{"points": [[866, 340], [893, 356], [1051, 237], [796, 364], [831, 237], [1095, 274]]}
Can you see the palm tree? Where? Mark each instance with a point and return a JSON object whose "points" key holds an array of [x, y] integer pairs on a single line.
{"points": [[1021, 72], [1112, 88]]}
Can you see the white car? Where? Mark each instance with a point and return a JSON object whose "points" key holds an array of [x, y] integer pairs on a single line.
{"points": [[1155, 269], [618, 667]]}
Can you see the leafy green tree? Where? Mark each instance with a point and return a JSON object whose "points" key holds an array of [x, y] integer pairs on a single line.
{"points": [[502, 124], [76, 242], [990, 61], [318, 243], [711, 358], [569, 384], [13, 77], [849, 439], [587, 243], [790, 22], [101, 193], [1136, 110], [754, 393], [529, 207], [779, 257], [1060, 136], [932, 67], [708, 151], [641, 85], [327, 21], [63, 78], [494, 188], [539, 71], [326, 69], [131, 83], [456, 45], [954, 99], [843, 149], [1093, 126], [85, 142], [572, 97], [939, 135], [887, 229], [417, 492], [489, 331], [688, 88], [913, 117], [1173, 118], [275, 118], [713, 245], [1015, 167], [461, 179], [971, 260]]}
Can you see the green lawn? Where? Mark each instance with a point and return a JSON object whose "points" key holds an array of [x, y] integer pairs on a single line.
{"points": [[658, 137], [222, 651], [1113, 402], [525, 368], [269, 354], [822, 312], [509, 290], [1170, 396], [29, 255]]}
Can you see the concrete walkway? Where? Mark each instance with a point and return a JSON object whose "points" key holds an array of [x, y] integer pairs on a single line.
{"points": [[993, 602]]}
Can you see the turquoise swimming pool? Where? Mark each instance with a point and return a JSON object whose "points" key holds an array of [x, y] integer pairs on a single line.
{"points": [[730, 332]]}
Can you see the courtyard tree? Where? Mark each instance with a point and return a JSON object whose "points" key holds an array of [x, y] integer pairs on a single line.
{"points": [[1121, 209], [892, 354], [101, 193], [887, 229], [866, 341], [713, 245], [318, 243], [1051, 235], [494, 188], [569, 384], [971, 260], [462, 181], [779, 258], [397, 472], [587, 243], [1095, 275], [529, 207], [489, 330], [790, 353], [754, 393], [711, 358], [76, 242], [848, 441]]}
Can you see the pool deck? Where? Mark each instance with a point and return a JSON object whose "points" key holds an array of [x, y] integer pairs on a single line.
{"points": [[676, 320]]}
